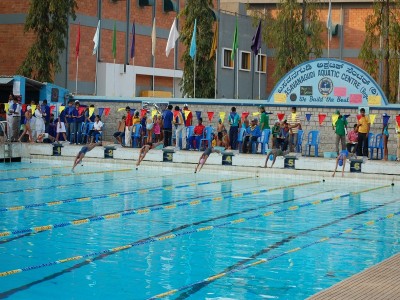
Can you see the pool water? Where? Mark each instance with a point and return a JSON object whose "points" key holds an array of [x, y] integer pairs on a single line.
{"points": [[117, 233]]}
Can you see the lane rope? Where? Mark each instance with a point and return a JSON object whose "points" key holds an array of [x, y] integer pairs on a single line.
{"points": [[172, 236], [268, 259], [141, 211], [110, 195]]}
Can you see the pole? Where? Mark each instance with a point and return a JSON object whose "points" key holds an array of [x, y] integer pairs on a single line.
{"points": [[252, 74], [215, 75], [237, 74], [194, 77], [134, 76], [259, 74], [398, 87], [76, 75], [329, 31], [154, 64], [95, 79], [173, 78], [114, 78]]}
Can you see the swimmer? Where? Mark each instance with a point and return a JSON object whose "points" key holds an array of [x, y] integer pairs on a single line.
{"points": [[82, 153], [203, 158], [273, 154], [44, 138], [143, 151], [341, 161]]}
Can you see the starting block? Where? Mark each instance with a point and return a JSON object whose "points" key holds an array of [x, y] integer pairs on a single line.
{"points": [[109, 151], [227, 158], [290, 161], [57, 149], [355, 165], [168, 153]]}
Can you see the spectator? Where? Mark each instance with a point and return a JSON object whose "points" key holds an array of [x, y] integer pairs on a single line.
{"points": [[27, 129], [60, 127], [69, 119], [276, 130], [284, 135], [352, 138], [53, 125], [363, 130], [14, 113], [44, 138], [128, 127], [220, 126], [340, 131], [225, 140], [194, 140], [157, 128], [3, 114], [187, 115], [264, 119], [120, 130], [40, 125], [234, 122], [97, 128], [149, 128], [385, 137], [253, 133], [180, 129], [45, 109], [294, 126], [167, 125]]}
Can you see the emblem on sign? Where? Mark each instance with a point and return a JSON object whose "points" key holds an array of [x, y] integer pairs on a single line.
{"points": [[325, 86]]}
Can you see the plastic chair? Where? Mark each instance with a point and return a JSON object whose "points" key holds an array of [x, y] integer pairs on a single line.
{"points": [[241, 134], [100, 135], [136, 136], [86, 127], [376, 143], [312, 141], [189, 133], [264, 140], [299, 146], [206, 137]]}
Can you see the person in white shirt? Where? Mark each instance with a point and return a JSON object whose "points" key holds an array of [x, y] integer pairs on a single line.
{"points": [[14, 116], [97, 128], [39, 122]]}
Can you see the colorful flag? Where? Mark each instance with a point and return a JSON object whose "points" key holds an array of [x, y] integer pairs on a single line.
{"points": [[256, 41], [321, 118], [153, 38], [101, 111], [133, 41], [96, 38], [121, 109], [214, 45], [173, 36], [308, 117], [235, 41], [222, 115], [372, 118], [78, 41], [60, 109], [114, 41], [107, 111], [210, 115], [91, 111], [52, 108], [193, 42], [198, 114], [329, 21]]}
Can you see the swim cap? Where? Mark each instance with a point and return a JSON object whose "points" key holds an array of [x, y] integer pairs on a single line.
{"points": [[340, 162], [202, 161], [271, 157]]}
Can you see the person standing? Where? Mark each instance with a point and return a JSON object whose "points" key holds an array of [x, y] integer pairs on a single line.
{"points": [[128, 126], [14, 113], [40, 124], [294, 126], [179, 127], [188, 115], [167, 125], [340, 127], [234, 121], [385, 137], [264, 119], [363, 126], [69, 120], [45, 109]]}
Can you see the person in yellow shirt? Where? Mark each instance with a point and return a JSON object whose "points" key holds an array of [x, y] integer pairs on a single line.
{"points": [[363, 127]]}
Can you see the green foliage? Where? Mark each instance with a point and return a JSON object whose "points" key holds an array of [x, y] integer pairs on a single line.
{"points": [[200, 10], [295, 34], [382, 27], [48, 19]]}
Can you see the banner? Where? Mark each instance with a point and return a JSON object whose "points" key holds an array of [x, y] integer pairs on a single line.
{"points": [[308, 116], [222, 115], [321, 118], [210, 115]]}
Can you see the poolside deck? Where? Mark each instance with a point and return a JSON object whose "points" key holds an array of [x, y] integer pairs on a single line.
{"points": [[378, 282]]}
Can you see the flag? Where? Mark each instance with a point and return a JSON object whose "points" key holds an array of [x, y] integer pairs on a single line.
{"points": [[91, 111], [61, 108], [173, 36], [329, 21], [235, 41], [78, 41], [96, 38], [193, 42], [107, 111], [214, 45], [153, 38], [256, 41], [133, 41], [101, 111], [114, 41]]}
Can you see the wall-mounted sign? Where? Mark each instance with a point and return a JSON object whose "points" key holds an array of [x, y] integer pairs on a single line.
{"points": [[328, 82]]}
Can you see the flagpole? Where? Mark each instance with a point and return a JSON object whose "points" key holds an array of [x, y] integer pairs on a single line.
{"points": [[134, 74], [328, 40], [114, 77], [215, 75], [237, 74], [194, 76], [154, 66], [76, 75], [95, 80], [259, 75]]}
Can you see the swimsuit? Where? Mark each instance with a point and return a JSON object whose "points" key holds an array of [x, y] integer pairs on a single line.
{"points": [[207, 151], [84, 150]]}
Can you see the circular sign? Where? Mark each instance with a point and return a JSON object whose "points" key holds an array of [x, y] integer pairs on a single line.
{"points": [[293, 97], [325, 86]]}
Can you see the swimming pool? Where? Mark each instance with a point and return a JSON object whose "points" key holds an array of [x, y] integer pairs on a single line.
{"points": [[123, 234]]}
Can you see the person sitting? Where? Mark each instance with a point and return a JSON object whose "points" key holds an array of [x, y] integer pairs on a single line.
{"points": [[194, 140], [352, 138], [283, 138], [253, 132], [97, 128], [226, 143], [45, 138], [276, 130], [120, 131]]}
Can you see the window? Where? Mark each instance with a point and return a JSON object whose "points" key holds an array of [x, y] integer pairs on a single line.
{"points": [[245, 61], [261, 63], [227, 62]]}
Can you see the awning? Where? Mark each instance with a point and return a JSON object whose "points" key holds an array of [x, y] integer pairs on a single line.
{"points": [[6, 80]]}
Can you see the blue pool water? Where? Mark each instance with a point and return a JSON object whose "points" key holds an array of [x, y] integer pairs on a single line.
{"points": [[260, 237]]}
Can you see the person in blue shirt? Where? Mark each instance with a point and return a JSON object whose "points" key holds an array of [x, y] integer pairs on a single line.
{"points": [[69, 120], [234, 121], [167, 125], [253, 132], [283, 138], [78, 117], [341, 161], [46, 115]]}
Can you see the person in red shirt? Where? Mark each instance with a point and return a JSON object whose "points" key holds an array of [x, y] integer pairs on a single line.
{"points": [[128, 127], [197, 135], [352, 138], [188, 115]]}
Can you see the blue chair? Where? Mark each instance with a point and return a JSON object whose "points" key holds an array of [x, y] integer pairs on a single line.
{"points": [[189, 133], [240, 139], [136, 135], [299, 146], [264, 140], [100, 135], [207, 136], [312, 141], [377, 143], [86, 127]]}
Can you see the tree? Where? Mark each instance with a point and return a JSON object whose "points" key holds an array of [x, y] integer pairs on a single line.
{"points": [[383, 27], [294, 34], [48, 19], [200, 10]]}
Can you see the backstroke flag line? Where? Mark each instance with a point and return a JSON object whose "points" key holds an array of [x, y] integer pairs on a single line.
{"points": [[173, 36]]}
